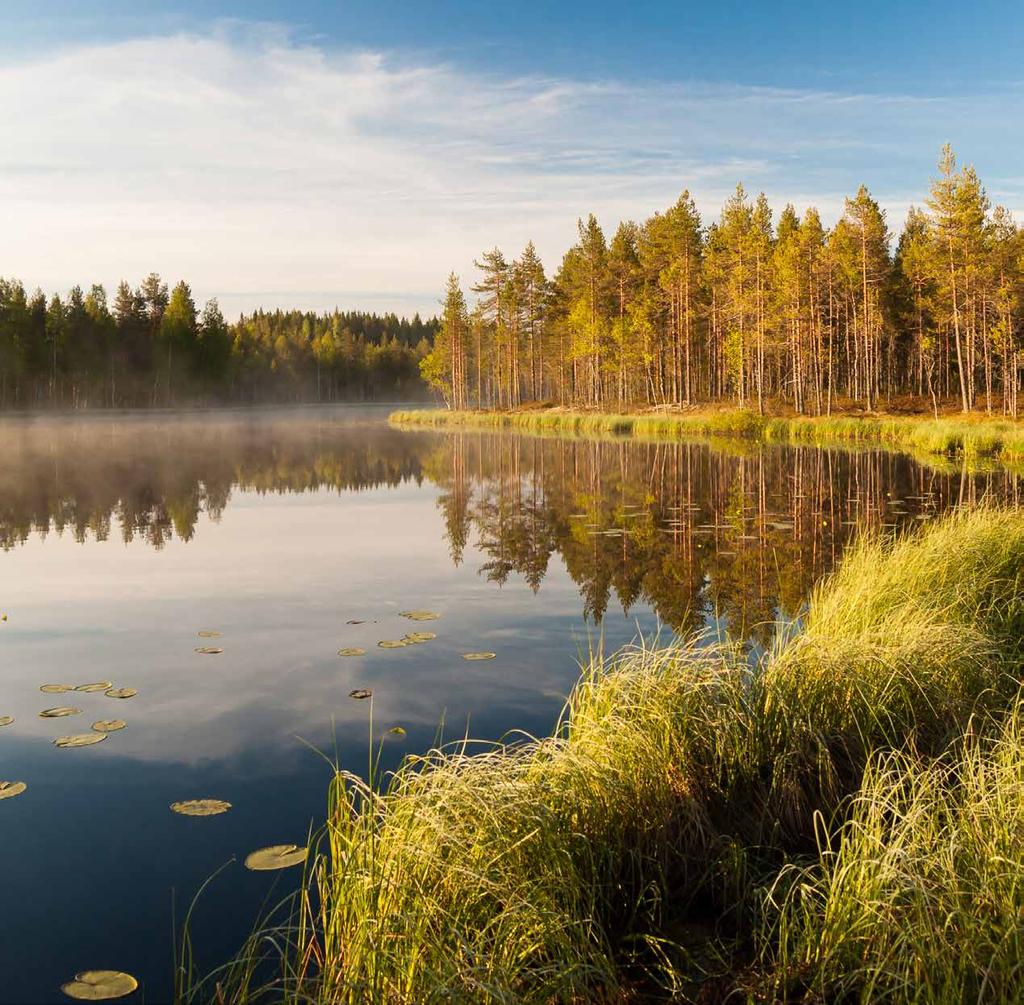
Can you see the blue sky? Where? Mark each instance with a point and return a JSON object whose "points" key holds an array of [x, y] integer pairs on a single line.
{"points": [[317, 153]]}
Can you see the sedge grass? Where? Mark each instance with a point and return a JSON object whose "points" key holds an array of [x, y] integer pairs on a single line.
{"points": [[971, 437], [680, 784], [920, 896]]}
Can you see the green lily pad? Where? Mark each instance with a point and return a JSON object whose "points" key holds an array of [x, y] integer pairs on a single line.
{"points": [[100, 985], [79, 740], [100, 685], [396, 731], [8, 790], [419, 615], [352, 651], [209, 633], [277, 856], [57, 688], [393, 643], [109, 725], [57, 713], [209, 650], [479, 656], [417, 637], [121, 692], [360, 693], [201, 807], [6, 720]]}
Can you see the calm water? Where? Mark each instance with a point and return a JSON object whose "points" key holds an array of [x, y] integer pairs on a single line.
{"points": [[124, 537]]}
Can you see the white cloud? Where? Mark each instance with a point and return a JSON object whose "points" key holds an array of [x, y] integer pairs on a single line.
{"points": [[267, 171]]}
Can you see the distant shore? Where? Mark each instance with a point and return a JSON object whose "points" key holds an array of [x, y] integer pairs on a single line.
{"points": [[968, 435]]}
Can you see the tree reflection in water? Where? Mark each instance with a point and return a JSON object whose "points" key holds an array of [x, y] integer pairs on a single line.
{"points": [[692, 530]]}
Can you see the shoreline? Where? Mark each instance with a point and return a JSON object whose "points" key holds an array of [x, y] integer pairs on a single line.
{"points": [[969, 436]]}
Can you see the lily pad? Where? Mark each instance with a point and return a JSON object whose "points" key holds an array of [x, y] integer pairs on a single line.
{"points": [[277, 856], [479, 656], [419, 615], [209, 650], [100, 685], [201, 807], [57, 688], [121, 692], [10, 789], [57, 713], [79, 740], [396, 731], [6, 720], [209, 633], [393, 643], [360, 693], [100, 985], [417, 637], [109, 725], [352, 651]]}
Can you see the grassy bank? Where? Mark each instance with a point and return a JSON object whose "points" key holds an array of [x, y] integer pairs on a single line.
{"points": [[826, 824], [974, 436]]}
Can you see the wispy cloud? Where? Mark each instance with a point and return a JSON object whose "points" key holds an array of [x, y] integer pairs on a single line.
{"points": [[270, 171]]}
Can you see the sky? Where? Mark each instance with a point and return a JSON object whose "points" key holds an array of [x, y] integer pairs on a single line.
{"points": [[317, 154]]}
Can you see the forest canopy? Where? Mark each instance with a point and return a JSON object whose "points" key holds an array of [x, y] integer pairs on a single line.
{"points": [[152, 346], [751, 309]]}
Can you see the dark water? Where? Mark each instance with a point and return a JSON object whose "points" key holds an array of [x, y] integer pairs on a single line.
{"points": [[124, 537]]}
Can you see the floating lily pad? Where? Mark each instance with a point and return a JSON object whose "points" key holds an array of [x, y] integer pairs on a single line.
{"points": [[10, 789], [121, 692], [479, 656], [352, 651], [419, 615], [277, 856], [109, 725], [417, 637], [396, 731], [57, 713], [57, 688], [393, 643], [201, 807], [360, 693], [100, 685], [100, 985], [79, 740], [209, 633], [209, 650], [6, 720]]}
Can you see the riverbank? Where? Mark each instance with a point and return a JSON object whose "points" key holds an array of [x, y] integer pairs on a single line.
{"points": [[697, 828], [971, 436]]}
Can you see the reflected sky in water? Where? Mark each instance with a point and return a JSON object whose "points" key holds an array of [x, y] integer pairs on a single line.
{"points": [[124, 537]]}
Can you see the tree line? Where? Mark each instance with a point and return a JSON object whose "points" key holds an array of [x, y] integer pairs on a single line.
{"points": [[151, 346], [672, 312]]}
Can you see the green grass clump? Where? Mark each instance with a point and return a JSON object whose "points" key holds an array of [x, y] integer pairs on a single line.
{"points": [[682, 783], [919, 897]]}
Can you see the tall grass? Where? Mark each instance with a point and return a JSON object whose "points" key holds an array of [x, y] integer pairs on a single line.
{"points": [[919, 898], [971, 437], [680, 784]]}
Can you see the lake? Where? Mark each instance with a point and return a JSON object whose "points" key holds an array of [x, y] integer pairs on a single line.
{"points": [[295, 533]]}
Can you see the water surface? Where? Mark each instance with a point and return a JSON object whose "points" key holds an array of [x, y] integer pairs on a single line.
{"points": [[124, 536]]}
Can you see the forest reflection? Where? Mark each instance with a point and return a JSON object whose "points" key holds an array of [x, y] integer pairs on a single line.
{"points": [[694, 531]]}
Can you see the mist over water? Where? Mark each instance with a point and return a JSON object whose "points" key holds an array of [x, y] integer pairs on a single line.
{"points": [[123, 536]]}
